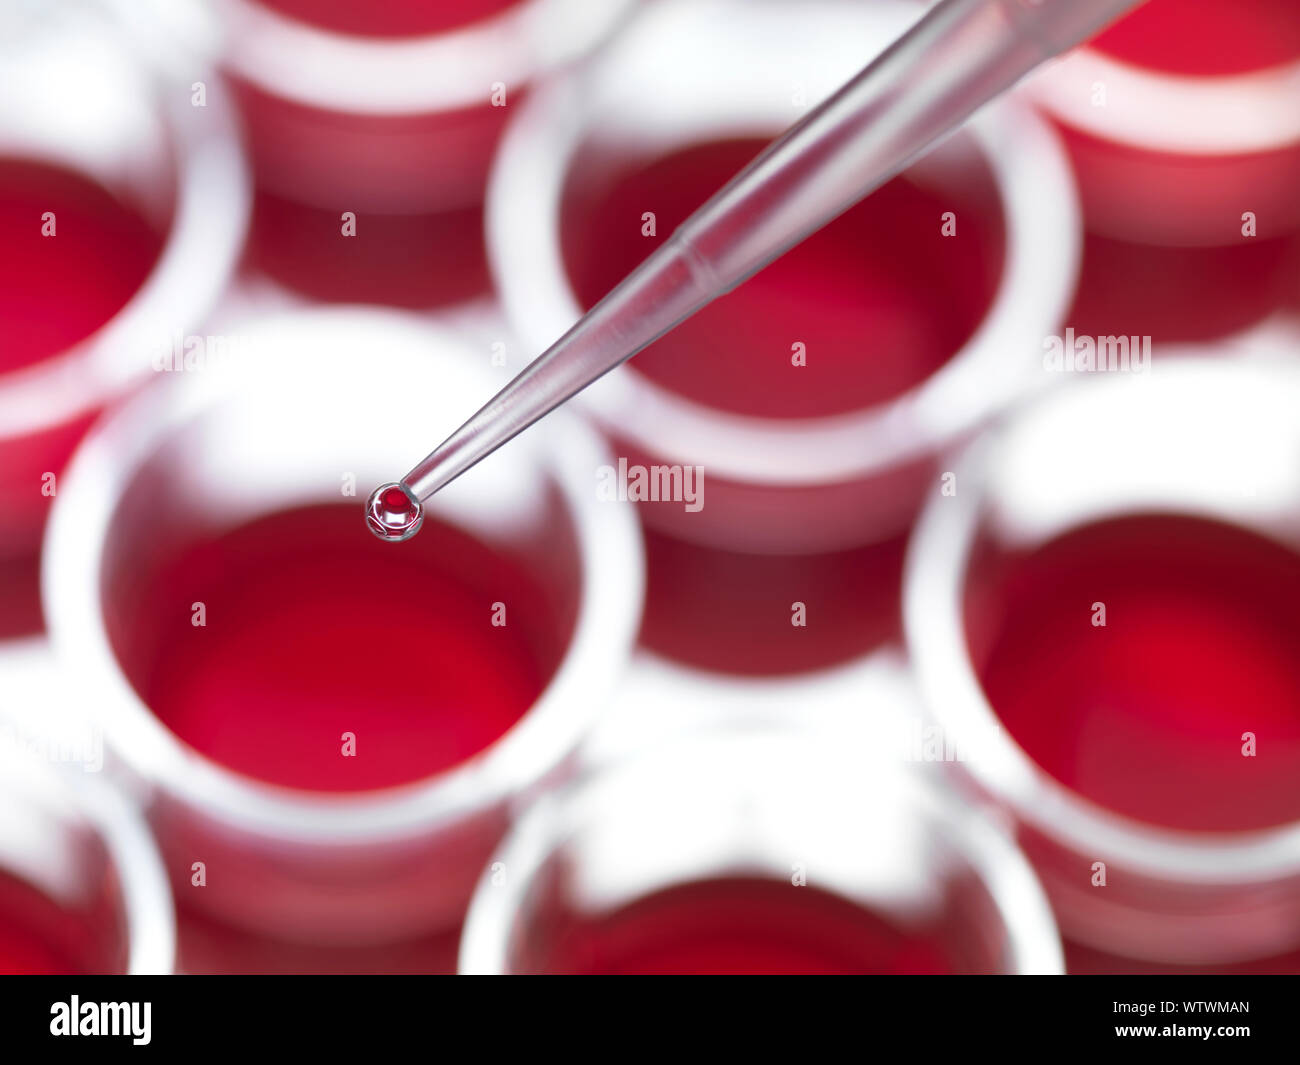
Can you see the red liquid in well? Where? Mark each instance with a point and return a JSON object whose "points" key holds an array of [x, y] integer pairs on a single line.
{"points": [[389, 18], [880, 299], [20, 597], [399, 260], [57, 290], [1081, 960], [1177, 294], [1206, 37], [39, 938], [731, 611], [314, 628], [742, 926], [1145, 716], [210, 947]]}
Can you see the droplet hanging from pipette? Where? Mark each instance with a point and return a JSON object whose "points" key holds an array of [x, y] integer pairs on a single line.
{"points": [[393, 513]]}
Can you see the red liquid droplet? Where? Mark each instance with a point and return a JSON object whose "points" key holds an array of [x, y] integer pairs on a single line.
{"points": [[741, 926], [880, 298], [395, 499], [57, 290], [394, 18], [1206, 37], [314, 629], [1145, 716]]}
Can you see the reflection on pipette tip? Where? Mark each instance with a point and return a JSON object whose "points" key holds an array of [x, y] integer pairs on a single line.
{"points": [[393, 513], [957, 56]]}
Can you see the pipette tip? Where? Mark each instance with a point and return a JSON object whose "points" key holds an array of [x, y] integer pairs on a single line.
{"points": [[393, 514]]}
